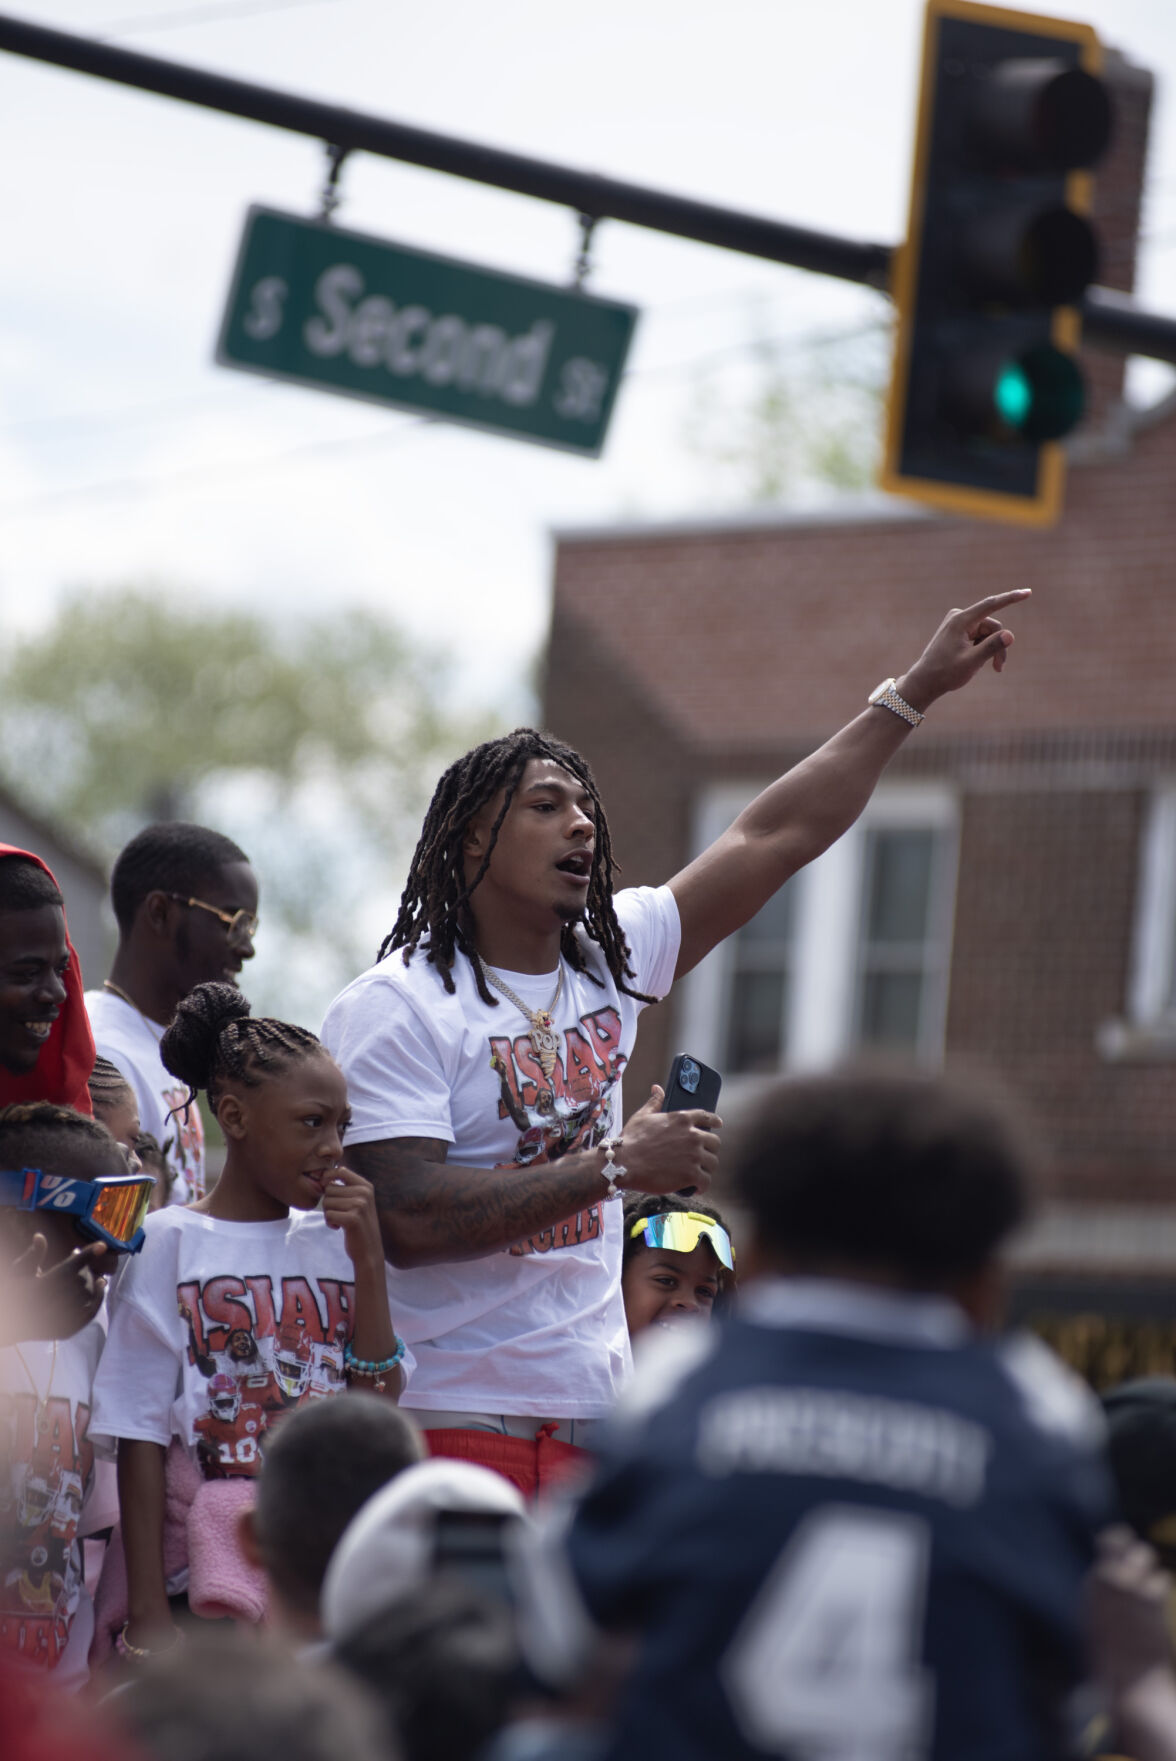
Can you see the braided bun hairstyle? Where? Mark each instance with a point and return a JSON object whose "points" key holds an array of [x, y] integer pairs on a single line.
{"points": [[214, 1036]]}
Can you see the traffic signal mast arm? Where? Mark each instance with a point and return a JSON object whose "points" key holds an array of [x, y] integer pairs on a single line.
{"points": [[1107, 318]]}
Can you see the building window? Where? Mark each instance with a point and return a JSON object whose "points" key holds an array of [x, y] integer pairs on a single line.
{"points": [[1149, 1027], [852, 954], [1153, 985], [760, 971], [901, 944]]}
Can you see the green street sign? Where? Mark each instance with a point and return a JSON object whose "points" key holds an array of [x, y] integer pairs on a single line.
{"points": [[358, 316]]}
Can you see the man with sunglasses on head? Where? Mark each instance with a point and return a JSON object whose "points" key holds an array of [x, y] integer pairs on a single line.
{"points": [[185, 899]]}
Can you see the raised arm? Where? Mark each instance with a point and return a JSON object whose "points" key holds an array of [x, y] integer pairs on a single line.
{"points": [[807, 809], [431, 1210]]}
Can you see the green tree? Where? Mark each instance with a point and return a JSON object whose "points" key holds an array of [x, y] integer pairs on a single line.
{"points": [[315, 744], [793, 415]]}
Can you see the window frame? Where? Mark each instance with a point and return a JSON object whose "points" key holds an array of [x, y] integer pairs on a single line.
{"points": [[824, 987], [1151, 989]]}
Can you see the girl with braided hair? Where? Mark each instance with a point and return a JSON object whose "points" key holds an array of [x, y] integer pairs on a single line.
{"points": [[269, 1292]]}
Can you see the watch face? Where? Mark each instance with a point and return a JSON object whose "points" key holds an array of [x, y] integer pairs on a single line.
{"points": [[880, 690]]}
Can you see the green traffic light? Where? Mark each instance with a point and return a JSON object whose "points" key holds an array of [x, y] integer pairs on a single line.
{"points": [[1013, 394], [1039, 395]]}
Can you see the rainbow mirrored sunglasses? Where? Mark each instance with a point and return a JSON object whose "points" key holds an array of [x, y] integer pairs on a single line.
{"points": [[106, 1210], [681, 1232]]}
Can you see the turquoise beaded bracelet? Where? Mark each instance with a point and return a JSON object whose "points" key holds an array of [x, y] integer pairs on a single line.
{"points": [[366, 1367]]}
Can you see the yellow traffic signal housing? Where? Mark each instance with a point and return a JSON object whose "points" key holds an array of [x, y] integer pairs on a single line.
{"points": [[985, 382]]}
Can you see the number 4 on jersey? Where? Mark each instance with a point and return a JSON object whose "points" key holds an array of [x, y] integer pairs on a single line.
{"points": [[826, 1664]]}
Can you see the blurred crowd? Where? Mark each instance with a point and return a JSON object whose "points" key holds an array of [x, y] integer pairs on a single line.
{"points": [[440, 1413]]}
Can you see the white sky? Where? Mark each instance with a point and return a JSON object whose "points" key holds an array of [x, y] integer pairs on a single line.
{"points": [[125, 454]]}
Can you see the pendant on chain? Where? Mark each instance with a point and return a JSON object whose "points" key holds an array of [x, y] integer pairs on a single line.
{"points": [[544, 1042]]}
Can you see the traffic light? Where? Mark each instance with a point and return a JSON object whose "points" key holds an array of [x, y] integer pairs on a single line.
{"points": [[985, 380]]}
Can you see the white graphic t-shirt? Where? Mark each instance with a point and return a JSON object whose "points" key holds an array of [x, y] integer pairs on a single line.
{"points": [[46, 1480], [131, 1042], [537, 1329], [219, 1329]]}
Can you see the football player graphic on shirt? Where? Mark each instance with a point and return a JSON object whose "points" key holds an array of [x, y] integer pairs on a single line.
{"points": [[40, 1570], [329, 1371], [228, 1436], [570, 1112], [67, 1506], [279, 1378], [37, 1495], [293, 1362], [241, 1360], [554, 1120]]}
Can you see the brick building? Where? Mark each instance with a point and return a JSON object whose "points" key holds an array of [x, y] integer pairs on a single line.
{"points": [[1009, 898]]}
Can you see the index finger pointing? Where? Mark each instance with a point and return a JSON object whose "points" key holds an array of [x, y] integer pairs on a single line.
{"points": [[984, 607]]}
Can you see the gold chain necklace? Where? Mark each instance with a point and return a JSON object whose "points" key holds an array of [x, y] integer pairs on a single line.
{"points": [[40, 1421], [542, 1035], [115, 990]]}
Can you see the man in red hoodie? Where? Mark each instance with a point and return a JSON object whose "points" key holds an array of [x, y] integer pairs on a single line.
{"points": [[46, 1054], [46, 1047]]}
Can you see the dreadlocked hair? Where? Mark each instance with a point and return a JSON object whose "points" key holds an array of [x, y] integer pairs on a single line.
{"points": [[435, 901], [214, 1037]]}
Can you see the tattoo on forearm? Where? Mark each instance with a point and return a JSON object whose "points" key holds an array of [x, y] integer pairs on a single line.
{"points": [[431, 1210]]}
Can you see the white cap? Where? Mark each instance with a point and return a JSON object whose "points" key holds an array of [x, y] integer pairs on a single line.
{"points": [[386, 1548]]}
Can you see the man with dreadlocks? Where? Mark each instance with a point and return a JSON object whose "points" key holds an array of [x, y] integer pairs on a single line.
{"points": [[484, 1051]]}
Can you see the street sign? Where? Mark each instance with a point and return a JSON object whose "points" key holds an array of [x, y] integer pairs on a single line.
{"points": [[321, 306]]}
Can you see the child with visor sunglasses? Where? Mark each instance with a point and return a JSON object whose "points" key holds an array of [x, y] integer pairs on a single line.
{"points": [[66, 1206], [678, 1264]]}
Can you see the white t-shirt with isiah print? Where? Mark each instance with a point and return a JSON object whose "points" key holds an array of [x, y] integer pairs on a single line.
{"points": [[46, 1481], [537, 1329]]}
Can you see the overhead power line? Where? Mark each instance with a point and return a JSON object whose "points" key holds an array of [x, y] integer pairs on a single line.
{"points": [[116, 488], [67, 424]]}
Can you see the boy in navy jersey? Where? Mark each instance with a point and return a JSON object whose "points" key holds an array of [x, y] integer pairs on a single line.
{"points": [[849, 1524]]}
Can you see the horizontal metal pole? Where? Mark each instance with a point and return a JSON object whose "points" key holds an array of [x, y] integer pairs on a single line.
{"points": [[1110, 319], [603, 198]]}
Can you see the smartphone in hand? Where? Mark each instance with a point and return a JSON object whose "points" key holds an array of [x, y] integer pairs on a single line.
{"points": [[691, 1084]]}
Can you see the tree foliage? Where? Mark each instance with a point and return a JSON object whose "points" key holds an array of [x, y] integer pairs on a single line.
{"points": [[794, 419], [315, 744], [128, 702]]}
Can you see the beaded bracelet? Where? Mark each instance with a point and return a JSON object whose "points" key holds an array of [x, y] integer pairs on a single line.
{"points": [[360, 1366]]}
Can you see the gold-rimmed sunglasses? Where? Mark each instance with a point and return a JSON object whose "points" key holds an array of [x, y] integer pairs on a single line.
{"points": [[240, 926]]}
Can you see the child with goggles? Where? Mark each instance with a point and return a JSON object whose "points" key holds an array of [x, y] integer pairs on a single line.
{"points": [[678, 1261], [66, 1204]]}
